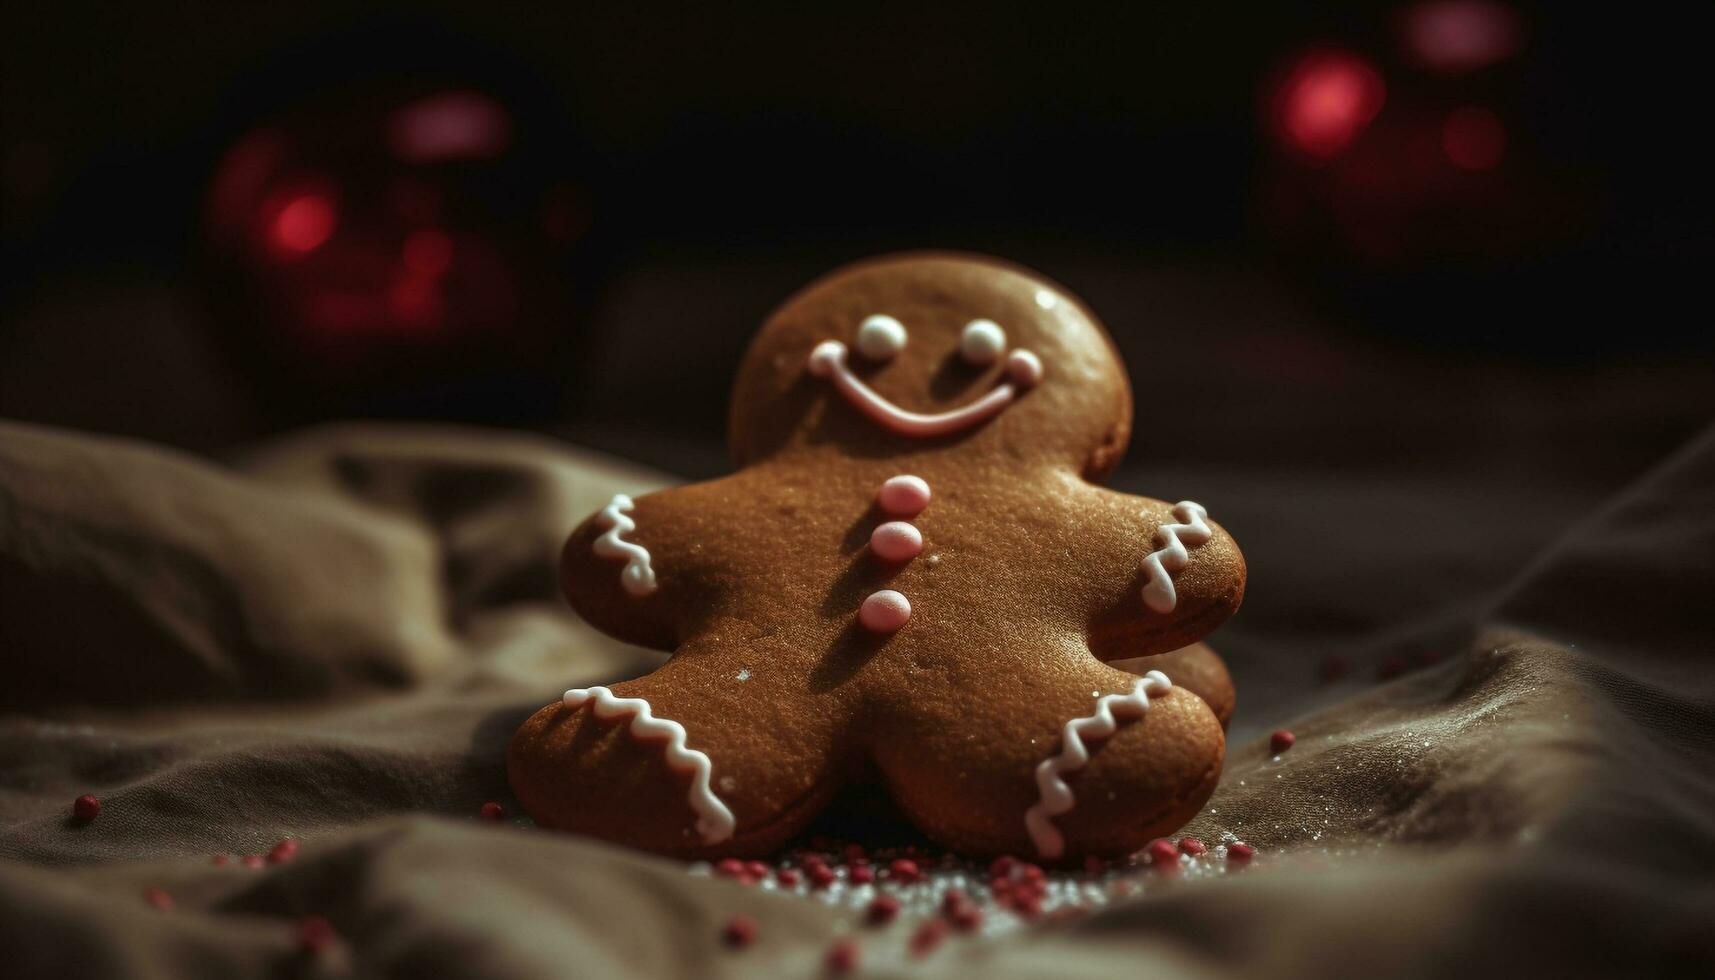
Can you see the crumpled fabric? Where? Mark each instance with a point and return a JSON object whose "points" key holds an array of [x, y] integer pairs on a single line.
{"points": [[333, 638]]}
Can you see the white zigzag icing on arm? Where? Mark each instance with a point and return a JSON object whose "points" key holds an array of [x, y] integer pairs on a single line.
{"points": [[638, 576], [1055, 796], [1158, 592], [714, 821]]}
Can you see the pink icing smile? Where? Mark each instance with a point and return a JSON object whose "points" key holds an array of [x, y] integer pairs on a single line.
{"points": [[828, 360]]}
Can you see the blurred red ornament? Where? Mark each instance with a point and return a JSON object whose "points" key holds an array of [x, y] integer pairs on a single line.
{"points": [[1460, 36], [1474, 138], [392, 236], [1326, 101]]}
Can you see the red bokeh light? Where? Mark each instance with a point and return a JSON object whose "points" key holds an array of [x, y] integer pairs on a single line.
{"points": [[303, 223], [428, 253], [1326, 101], [1459, 36], [1473, 138], [458, 125], [416, 303]]}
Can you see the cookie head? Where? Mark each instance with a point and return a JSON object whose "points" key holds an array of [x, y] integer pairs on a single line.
{"points": [[933, 352]]}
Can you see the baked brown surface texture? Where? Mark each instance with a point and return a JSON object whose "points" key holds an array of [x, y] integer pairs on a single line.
{"points": [[1025, 578]]}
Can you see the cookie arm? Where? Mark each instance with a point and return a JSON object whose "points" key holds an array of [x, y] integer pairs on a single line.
{"points": [[621, 569], [1184, 577]]}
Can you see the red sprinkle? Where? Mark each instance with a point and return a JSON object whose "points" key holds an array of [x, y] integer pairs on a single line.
{"points": [[740, 931], [1163, 854], [952, 900], [316, 933], [284, 851], [821, 876], [756, 870], [1193, 846], [158, 898], [882, 910], [729, 867], [966, 918], [861, 874], [928, 936], [1281, 740], [903, 869], [85, 808], [842, 957], [1028, 906], [220, 860], [1240, 853], [492, 811], [1002, 866], [855, 852], [788, 877], [252, 860]]}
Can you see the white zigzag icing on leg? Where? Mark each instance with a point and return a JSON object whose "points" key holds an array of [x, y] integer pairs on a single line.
{"points": [[637, 577], [1158, 592], [1055, 796], [714, 821]]}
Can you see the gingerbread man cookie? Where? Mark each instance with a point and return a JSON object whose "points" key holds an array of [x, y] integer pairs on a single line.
{"points": [[912, 580]]}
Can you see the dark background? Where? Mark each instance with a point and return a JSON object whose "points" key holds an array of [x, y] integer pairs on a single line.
{"points": [[1406, 291], [1409, 297]]}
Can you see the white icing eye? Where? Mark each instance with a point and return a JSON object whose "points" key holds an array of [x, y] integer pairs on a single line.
{"points": [[881, 337], [982, 342]]}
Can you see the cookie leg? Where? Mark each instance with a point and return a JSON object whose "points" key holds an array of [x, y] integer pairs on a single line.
{"points": [[1196, 668], [1055, 767], [689, 761]]}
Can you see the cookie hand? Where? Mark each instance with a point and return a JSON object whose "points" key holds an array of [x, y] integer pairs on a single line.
{"points": [[1188, 580], [612, 570]]}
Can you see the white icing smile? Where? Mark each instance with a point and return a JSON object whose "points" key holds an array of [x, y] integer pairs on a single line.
{"points": [[882, 337]]}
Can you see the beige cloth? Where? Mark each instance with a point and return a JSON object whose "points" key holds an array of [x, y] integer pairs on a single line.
{"points": [[334, 639]]}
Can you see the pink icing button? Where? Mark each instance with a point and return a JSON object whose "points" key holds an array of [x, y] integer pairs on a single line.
{"points": [[884, 612], [896, 541], [903, 496]]}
